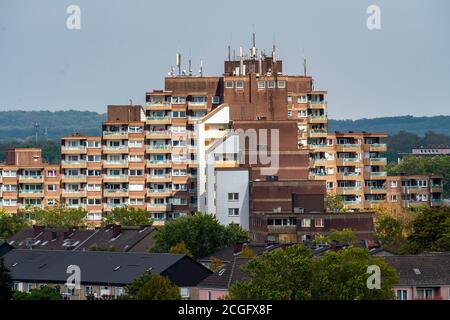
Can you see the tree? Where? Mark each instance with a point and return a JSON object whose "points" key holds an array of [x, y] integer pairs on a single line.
{"points": [[5, 282], [180, 248], [344, 236], [152, 287], [215, 264], [202, 234], [334, 203], [247, 252], [58, 216], [10, 224], [343, 275], [293, 274], [127, 216], [276, 275], [430, 230], [44, 293], [390, 233]]}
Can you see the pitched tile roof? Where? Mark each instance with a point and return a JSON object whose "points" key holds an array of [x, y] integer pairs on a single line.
{"points": [[431, 269], [227, 275]]}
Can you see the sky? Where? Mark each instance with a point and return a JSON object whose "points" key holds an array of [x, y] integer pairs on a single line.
{"points": [[126, 47]]}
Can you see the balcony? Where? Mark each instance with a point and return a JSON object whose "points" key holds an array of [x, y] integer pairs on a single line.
{"points": [[115, 134], [31, 193], [158, 105], [115, 149], [375, 175], [317, 105], [197, 105], [73, 164], [154, 207], [375, 190], [158, 134], [159, 177], [115, 178], [31, 179], [319, 146], [115, 192], [73, 150], [318, 133], [375, 161], [348, 147], [159, 163], [73, 193], [378, 147], [348, 175], [159, 193], [352, 204], [158, 120], [348, 190], [347, 161], [73, 178], [111, 206], [115, 163], [317, 119], [165, 148]]}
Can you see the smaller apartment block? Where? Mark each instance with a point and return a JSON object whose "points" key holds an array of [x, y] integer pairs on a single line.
{"points": [[353, 166], [410, 190], [25, 180]]}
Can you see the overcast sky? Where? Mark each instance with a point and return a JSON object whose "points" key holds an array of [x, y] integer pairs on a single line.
{"points": [[125, 48]]}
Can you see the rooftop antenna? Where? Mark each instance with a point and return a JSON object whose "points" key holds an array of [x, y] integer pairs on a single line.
{"points": [[229, 52], [190, 68], [201, 68], [253, 52], [241, 61], [131, 101], [179, 63]]}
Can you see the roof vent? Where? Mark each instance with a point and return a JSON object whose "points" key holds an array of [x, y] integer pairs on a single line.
{"points": [[116, 268], [221, 271], [417, 271]]}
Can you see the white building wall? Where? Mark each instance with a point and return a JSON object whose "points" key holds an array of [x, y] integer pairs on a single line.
{"points": [[232, 181]]}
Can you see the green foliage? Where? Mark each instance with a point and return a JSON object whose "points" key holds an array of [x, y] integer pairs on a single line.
{"points": [[215, 264], [11, 224], [5, 282], [430, 231], [334, 203], [152, 287], [201, 233], [180, 248], [343, 275], [344, 236], [391, 233], [127, 216], [44, 293], [58, 216], [293, 274], [424, 165], [247, 252], [276, 275]]}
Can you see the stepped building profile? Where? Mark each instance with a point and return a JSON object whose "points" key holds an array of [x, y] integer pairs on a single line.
{"points": [[170, 158]]}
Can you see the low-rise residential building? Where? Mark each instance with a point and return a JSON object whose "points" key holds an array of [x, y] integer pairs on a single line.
{"points": [[423, 276], [110, 238], [102, 275], [411, 190]]}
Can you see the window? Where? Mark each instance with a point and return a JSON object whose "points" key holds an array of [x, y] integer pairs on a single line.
{"points": [[118, 291], [51, 202], [233, 211], [135, 129], [216, 100], [271, 84], [184, 292], [289, 98], [95, 173], [239, 84], [135, 143], [29, 287], [178, 129], [302, 99], [233, 196], [228, 84], [94, 187], [94, 201], [393, 184], [135, 172], [318, 222], [136, 201], [402, 294], [289, 113], [51, 187], [178, 100], [261, 84], [306, 223], [178, 114], [393, 197], [281, 84], [179, 172], [9, 202], [94, 158], [88, 290], [425, 293], [51, 173], [93, 144], [136, 187], [9, 173], [329, 185], [301, 113]]}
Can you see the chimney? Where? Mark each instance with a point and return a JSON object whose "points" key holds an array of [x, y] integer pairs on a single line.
{"points": [[37, 230], [116, 230], [237, 247]]}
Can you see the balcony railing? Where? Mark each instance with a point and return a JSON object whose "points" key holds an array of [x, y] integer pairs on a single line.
{"points": [[378, 174], [80, 176], [112, 191], [159, 176], [159, 147], [115, 148], [349, 202], [378, 145], [158, 132], [120, 176], [80, 162], [158, 103], [377, 159], [115, 133], [26, 177], [157, 118], [349, 159], [115, 161], [30, 191], [159, 190]]}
